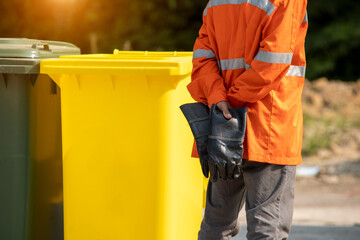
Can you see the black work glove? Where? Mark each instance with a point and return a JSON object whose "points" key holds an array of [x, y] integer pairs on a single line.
{"points": [[197, 115], [225, 144]]}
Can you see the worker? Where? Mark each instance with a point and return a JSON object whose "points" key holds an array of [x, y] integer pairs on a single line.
{"points": [[251, 53]]}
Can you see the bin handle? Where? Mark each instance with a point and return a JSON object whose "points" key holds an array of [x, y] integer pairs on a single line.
{"points": [[37, 46], [57, 43]]}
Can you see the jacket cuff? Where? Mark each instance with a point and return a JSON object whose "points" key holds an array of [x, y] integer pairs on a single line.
{"points": [[196, 92], [217, 96], [235, 103]]}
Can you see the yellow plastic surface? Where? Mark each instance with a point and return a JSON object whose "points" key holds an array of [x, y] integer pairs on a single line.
{"points": [[125, 63], [205, 185], [127, 168], [131, 54]]}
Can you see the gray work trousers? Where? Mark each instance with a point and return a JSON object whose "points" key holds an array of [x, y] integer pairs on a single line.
{"points": [[268, 193]]}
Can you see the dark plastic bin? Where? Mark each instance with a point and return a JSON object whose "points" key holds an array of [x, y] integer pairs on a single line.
{"points": [[30, 141]]}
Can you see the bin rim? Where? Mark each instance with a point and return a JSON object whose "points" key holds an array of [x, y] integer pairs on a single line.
{"points": [[132, 54], [19, 66], [110, 65]]}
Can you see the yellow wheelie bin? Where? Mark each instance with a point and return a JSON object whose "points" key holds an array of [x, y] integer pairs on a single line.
{"points": [[127, 169]]}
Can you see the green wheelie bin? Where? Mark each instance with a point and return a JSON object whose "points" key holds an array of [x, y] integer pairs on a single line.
{"points": [[30, 141]]}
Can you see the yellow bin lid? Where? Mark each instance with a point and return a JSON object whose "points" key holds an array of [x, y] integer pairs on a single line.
{"points": [[121, 63]]}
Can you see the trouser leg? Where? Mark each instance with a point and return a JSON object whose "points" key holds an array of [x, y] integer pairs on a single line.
{"points": [[223, 202], [269, 200], [269, 191]]}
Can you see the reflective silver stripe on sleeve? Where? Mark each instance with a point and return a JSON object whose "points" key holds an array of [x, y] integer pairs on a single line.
{"points": [[232, 64], [264, 5], [296, 71], [239, 63], [203, 53], [271, 57], [305, 18]]}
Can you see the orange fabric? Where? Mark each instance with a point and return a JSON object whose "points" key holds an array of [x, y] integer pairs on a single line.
{"points": [[194, 152], [259, 47]]}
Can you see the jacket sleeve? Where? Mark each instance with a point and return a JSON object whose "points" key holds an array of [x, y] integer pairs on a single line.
{"points": [[273, 59], [207, 85]]}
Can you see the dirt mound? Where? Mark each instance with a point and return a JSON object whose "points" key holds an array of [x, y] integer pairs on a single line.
{"points": [[331, 121]]}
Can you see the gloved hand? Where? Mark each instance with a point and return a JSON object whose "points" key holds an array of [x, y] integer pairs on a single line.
{"points": [[225, 144], [197, 115]]}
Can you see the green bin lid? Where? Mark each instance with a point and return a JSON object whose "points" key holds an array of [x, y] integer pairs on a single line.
{"points": [[22, 55], [31, 48]]}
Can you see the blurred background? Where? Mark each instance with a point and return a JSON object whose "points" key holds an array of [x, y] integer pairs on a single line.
{"points": [[333, 42], [331, 96]]}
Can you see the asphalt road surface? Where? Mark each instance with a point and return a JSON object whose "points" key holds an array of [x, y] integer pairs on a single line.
{"points": [[316, 233], [326, 208]]}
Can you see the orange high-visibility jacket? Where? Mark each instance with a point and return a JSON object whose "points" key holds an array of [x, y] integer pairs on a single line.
{"points": [[252, 51]]}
